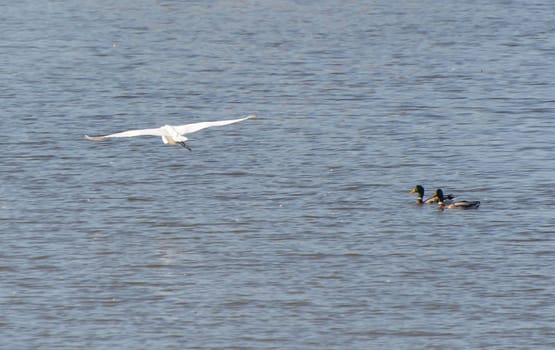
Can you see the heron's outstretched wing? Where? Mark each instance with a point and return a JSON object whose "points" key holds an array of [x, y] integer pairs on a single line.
{"points": [[129, 133], [189, 128]]}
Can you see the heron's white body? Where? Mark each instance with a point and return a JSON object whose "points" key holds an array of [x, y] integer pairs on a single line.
{"points": [[171, 134]]}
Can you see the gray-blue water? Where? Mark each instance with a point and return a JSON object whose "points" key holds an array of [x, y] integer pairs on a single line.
{"points": [[294, 230]]}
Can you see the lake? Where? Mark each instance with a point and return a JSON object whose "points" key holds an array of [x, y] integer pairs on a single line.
{"points": [[295, 229]]}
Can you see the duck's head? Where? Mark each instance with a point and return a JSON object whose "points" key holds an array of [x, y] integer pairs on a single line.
{"points": [[439, 195], [420, 190]]}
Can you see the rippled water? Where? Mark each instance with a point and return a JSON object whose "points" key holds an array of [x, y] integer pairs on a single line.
{"points": [[293, 230]]}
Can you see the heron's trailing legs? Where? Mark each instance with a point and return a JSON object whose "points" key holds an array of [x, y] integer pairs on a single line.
{"points": [[186, 146]]}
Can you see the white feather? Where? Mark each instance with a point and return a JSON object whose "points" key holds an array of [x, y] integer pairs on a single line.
{"points": [[170, 134]]}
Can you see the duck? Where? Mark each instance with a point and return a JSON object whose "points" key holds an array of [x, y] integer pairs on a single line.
{"points": [[432, 200], [441, 204]]}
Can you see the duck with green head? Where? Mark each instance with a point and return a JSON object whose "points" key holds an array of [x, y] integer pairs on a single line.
{"points": [[441, 204], [432, 200]]}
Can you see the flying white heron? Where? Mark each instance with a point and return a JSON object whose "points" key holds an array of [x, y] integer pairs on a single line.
{"points": [[171, 134]]}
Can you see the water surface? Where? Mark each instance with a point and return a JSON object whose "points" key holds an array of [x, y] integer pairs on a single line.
{"points": [[293, 230]]}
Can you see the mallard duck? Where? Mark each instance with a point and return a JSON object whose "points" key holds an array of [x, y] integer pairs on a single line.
{"points": [[441, 204], [420, 200]]}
